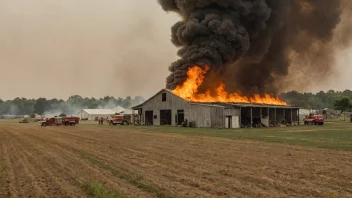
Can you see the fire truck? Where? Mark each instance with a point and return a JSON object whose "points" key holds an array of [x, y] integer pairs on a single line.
{"points": [[120, 119], [58, 121], [314, 119]]}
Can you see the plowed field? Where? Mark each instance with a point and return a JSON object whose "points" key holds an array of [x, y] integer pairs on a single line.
{"points": [[88, 161]]}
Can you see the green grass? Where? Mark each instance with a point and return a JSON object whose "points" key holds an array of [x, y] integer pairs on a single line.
{"points": [[95, 190], [334, 135]]}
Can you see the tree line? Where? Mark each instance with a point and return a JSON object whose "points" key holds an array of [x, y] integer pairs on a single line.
{"points": [[318, 100], [22, 106], [71, 106]]}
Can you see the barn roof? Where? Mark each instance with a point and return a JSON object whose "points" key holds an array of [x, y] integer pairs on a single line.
{"points": [[224, 104], [163, 90], [99, 111]]}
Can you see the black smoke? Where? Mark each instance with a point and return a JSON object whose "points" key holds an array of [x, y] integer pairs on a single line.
{"points": [[251, 44]]}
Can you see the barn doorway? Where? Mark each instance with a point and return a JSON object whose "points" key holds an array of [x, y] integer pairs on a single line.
{"points": [[180, 117], [148, 117], [228, 124], [232, 122], [165, 117]]}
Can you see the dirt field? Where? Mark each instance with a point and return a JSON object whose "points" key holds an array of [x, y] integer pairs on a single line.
{"points": [[92, 161]]}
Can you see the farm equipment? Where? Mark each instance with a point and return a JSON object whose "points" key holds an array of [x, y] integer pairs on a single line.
{"points": [[120, 119], [58, 121], [24, 120], [314, 120]]}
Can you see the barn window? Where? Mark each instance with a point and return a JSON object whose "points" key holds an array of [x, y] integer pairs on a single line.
{"points": [[163, 97]]}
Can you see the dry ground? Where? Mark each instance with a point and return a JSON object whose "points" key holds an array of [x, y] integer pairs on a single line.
{"points": [[88, 161]]}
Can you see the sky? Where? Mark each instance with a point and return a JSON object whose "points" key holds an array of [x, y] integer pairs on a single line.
{"points": [[58, 48]]}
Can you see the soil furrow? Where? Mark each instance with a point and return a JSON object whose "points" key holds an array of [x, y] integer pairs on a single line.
{"points": [[81, 168], [26, 182], [58, 161], [247, 176]]}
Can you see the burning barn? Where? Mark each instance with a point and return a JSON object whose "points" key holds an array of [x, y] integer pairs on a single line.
{"points": [[236, 56], [167, 108]]}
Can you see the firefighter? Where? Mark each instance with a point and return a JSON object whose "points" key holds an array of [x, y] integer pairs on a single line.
{"points": [[102, 120]]}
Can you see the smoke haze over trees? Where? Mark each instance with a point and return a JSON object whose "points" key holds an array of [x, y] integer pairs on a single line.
{"points": [[316, 100], [258, 46], [23, 106]]}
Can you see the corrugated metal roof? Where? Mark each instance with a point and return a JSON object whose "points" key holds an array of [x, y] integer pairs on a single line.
{"points": [[246, 105], [168, 90], [99, 111], [221, 103], [205, 104]]}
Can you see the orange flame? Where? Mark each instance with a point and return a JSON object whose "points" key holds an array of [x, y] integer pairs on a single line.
{"points": [[189, 91]]}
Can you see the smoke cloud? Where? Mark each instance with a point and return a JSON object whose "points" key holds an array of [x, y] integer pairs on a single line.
{"points": [[254, 46]]}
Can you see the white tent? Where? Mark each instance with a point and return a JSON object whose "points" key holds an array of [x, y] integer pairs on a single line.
{"points": [[118, 109], [304, 112], [91, 114]]}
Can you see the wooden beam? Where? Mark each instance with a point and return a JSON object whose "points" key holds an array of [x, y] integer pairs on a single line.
{"points": [[251, 117], [240, 117], [275, 118], [298, 116], [269, 116]]}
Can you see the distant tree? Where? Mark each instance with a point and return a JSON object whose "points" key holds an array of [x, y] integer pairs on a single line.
{"points": [[62, 115], [119, 101], [40, 106], [343, 104], [126, 103], [32, 115], [137, 100]]}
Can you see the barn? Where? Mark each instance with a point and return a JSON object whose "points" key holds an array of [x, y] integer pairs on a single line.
{"points": [[166, 108], [92, 114]]}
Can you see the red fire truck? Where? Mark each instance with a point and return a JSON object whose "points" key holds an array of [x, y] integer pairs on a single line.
{"points": [[314, 120], [58, 121], [120, 119]]}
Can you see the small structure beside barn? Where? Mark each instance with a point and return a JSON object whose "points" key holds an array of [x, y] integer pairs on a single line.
{"points": [[166, 108]]}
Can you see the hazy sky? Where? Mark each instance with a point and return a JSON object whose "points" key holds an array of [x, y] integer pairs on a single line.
{"points": [[58, 48]]}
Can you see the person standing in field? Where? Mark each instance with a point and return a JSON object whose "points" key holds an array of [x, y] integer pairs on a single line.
{"points": [[101, 120]]}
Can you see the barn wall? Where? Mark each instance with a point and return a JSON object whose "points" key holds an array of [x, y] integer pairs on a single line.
{"points": [[232, 112], [217, 117], [200, 115], [172, 102]]}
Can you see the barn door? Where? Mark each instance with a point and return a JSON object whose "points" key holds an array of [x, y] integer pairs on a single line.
{"points": [[235, 122], [228, 122]]}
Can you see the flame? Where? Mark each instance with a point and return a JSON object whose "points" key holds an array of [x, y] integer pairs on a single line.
{"points": [[189, 91]]}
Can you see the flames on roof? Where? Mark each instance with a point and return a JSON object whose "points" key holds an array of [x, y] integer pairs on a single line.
{"points": [[189, 91]]}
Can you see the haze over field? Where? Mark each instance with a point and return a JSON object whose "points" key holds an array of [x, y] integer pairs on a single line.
{"points": [[96, 48]]}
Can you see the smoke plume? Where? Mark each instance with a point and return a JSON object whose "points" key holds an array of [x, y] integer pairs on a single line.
{"points": [[251, 45]]}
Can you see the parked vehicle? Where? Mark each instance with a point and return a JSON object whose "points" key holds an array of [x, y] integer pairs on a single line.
{"points": [[58, 121], [314, 120], [24, 120], [120, 119]]}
